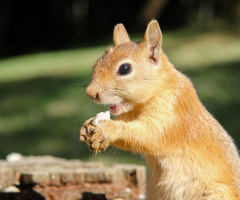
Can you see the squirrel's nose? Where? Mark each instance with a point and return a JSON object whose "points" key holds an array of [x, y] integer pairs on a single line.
{"points": [[92, 93]]}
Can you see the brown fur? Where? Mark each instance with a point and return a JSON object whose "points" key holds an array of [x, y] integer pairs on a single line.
{"points": [[160, 116]]}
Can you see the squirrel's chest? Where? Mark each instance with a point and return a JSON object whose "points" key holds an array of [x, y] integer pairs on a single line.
{"points": [[173, 179]]}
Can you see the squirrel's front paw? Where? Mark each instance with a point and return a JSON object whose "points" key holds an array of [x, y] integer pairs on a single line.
{"points": [[93, 135], [98, 141], [87, 130]]}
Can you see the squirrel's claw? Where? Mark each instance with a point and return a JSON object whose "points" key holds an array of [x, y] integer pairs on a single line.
{"points": [[98, 141], [84, 134]]}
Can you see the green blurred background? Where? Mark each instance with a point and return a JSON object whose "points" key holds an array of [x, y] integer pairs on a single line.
{"points": [[48, 49]]}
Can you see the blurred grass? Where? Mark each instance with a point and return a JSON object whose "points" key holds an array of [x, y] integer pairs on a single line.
{"points": [[66, 63], [43, 103]]}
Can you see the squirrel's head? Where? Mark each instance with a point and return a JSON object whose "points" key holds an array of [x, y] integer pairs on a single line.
{"points": [[126, 75]]}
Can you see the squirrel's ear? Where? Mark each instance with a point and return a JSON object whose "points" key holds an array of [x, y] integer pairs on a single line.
{"points": [[120, 34], [153, 40]]}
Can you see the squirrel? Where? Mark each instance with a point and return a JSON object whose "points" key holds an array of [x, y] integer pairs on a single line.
{"points": [[158, 114]]}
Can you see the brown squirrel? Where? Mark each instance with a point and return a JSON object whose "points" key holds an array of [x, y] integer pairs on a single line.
{"points": [[158, 114]]}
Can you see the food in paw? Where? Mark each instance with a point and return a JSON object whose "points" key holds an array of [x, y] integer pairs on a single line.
{"points": [[100, 117]]}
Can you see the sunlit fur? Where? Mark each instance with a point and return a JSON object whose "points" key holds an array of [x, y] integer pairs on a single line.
{"points": [[190, 155]]}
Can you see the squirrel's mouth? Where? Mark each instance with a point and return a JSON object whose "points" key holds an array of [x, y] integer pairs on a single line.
{"points": [[116, 109]]}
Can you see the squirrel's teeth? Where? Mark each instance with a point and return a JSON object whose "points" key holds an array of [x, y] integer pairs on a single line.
{"points": [[113, 106]]}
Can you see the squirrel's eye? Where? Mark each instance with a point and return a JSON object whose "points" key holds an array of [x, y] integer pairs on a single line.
{"points": [[125, 69]]}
